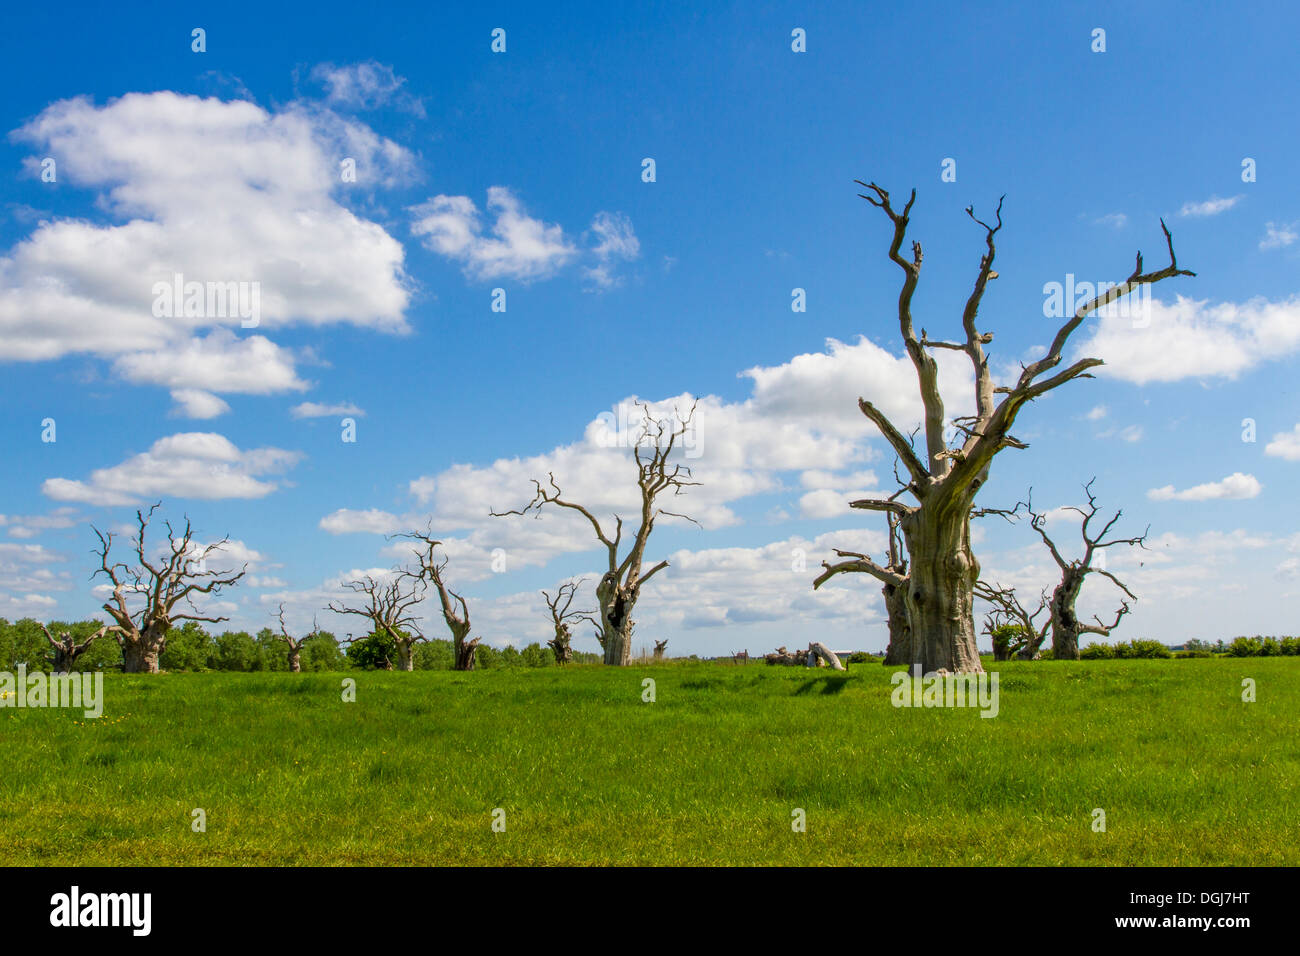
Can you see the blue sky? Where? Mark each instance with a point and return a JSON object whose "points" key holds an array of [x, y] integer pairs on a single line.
{"points": [[522, 171]]}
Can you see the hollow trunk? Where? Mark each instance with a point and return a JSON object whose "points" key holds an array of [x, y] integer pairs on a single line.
{"points": [[616, 605], [63, 659], [295, 660], [900, 632], [940, 594], [1065, 624], [560, 645], [466, 653], [405, 656]]}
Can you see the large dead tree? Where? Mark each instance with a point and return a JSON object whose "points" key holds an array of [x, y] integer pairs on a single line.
{"points": [[387, 605], [67, 650], [159, 585], [1011, 626], [660, 647], [1066, 626], [455, 612], [943, 481], [620, 586], [294, 644], [562, 612]]}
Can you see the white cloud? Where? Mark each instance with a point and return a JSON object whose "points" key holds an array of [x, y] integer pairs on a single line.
{"points": [[365, 86], [1278, 235], [1193, 339], [1235, 487], [1210, 207], [318, 410], [615, 240], [518, 246], [1116, 220], [1097, 413], [217, 192], [196, 403], [372, 520], [221, 362], [30, 526], [1285, 445], [202, 465]]}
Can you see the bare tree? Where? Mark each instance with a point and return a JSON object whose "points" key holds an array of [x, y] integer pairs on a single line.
{"points": [[660, 646], [67, 650], [387, 605], [455, 612], [561, 608], [1010, 625], [943, 480], [620, 586], [163, 584], [1066, 626], [294, 644], [893, 577]]}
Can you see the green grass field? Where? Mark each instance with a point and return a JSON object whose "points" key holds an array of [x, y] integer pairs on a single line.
{"points": [[707, 774]]}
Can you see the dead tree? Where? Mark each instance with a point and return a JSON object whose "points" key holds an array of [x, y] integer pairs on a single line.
{"points": [[660, 646], [561, 608], [67, 650], [455, 612], [943, 480], [819, 654], [1007, 613], [893, 577], [161, 584], [1066, 626], [294, 644], [387, 605], [620, 586]]}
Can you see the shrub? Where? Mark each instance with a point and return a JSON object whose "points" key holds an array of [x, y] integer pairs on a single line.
{"points": [[1096, 652], [1245, 647], [1141, 649]]}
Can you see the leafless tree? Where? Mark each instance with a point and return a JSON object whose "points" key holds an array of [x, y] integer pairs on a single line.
{"points": [[1011, 627], [67, 650], [561, 608], [386, 604], [943, 480], [660, 647], [1066, 626], [620, 586], [455, 612], [893, 577], [161, 585], [294, 644]]}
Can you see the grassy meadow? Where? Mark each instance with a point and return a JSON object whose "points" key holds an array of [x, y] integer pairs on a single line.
{"points": [[709, 773]]}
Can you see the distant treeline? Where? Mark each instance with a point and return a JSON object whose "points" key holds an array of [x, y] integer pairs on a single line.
{"points": [[191, 648]]}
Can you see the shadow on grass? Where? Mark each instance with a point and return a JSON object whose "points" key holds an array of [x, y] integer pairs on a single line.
{"points": [[829, 685]]}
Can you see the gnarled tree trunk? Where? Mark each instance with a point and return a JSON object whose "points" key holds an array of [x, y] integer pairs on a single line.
{"points": [[141, 652], [1065, 623], [900, 631], [940, 590]]}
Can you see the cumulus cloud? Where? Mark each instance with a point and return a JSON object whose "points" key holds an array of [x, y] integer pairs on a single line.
{"points": [[1235, 487], [516, 246], [219, 362], [1194, 339], [196, 403], [202, 465], [371, 520], [216, 192], [1285, 445], [1278, 235]]}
